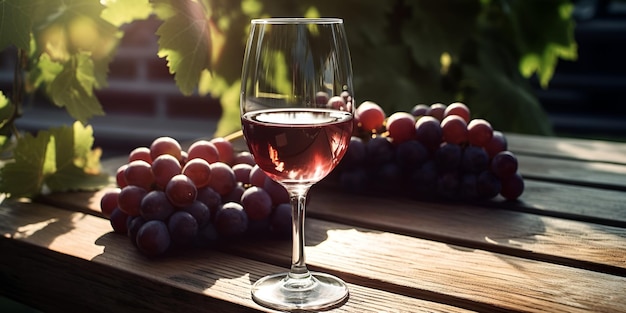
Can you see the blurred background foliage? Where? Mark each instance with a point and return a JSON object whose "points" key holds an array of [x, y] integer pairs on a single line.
{"points": [[404, 52], [480, 52]]}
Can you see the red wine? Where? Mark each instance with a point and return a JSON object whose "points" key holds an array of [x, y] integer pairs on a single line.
{"points": [[297, 145]]}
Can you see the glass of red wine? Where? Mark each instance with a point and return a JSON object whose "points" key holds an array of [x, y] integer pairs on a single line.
{"points": [[297, 116]]}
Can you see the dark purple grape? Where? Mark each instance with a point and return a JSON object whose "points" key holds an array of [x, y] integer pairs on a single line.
{"points": [[437, 110], [235, 194], [258, 176], [504, 164], [257, 203], [211, 199], [379, 151], [497, 144], [119, 221], [488, 185], [355, 180], [155, 206], [222, 178], [448, 184], [420, 110], [512, 187], [200, 212], [231, 220], [423, 181], [388, 176], [475, 159], [467, 187], [355, 154], [428, 132], [258, 228], [281, 222], [183, 228], [448, 157], [153, 238], [411, 155], [207, 236], [134, 223]]}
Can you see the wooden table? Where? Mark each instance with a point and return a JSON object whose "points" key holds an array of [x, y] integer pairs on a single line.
{"points": [[562, 248]]}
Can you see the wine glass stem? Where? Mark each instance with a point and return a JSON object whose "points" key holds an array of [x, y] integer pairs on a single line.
{"points": [[298, 259]]}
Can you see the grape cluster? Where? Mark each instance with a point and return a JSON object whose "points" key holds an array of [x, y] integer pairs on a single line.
{"points": [[167, 198], [434, 151]]}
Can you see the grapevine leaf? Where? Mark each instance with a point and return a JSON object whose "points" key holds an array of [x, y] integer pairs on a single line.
{"points": [[45, 71], [77, 165], [73, 89], [16, 23], [7, 109], [184, 40], [120, 12], [24, 176]]}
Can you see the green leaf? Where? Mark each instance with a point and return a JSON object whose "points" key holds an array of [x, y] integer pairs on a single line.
{"points": [[120, 12], [44, 71], [73, 89], [16, 23], [6, 109], [184, 40], [24, 176], [60, 159], [77, 165]]}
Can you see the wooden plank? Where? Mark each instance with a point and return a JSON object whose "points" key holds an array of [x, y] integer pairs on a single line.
{"points": [[568, 148], [59, 260], [587, 245], [583, 173]]}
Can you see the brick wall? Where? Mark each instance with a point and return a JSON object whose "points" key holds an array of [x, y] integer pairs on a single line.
{"points": [[141, 102]]}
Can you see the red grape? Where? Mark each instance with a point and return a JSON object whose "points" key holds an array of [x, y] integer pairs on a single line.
{"points": [[244, 157], [129, 199], [205, 150], [199, 171], [257, 203], [337, 103], [165, 145], [235, 194], [225, 149], [109, 200], [321, 97], [242, 172], [222, 178], [459, 109], [164, 167], [139, 173], [454, 129], [257, 176], [140, 153], [479, 132], [119, 176], [370, 115], [401, 127], [181, 191], [153, 238]]}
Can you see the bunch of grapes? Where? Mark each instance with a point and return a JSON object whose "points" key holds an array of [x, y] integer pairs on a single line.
{"points": [[434, 151], [167, 198]]}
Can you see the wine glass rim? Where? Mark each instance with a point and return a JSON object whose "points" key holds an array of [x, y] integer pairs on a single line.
{"points": [[298, 20]]}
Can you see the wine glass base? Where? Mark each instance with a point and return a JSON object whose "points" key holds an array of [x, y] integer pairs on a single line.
{"points": [[316, 292]]}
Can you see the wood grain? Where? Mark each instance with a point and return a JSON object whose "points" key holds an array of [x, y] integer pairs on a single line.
{"points": [[61, 260]]}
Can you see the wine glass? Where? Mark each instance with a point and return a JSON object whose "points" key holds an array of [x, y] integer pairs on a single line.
{"points": [[297, 117]]}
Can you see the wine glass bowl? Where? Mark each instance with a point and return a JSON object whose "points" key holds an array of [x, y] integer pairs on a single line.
{"points": [[297, 118]]}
